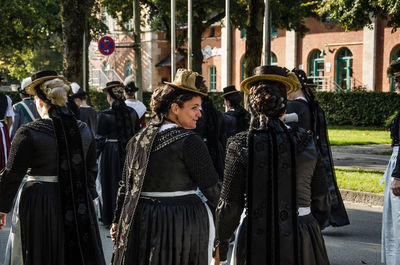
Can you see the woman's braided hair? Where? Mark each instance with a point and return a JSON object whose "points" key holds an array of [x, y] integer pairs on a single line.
{"points": [[267, 99]]}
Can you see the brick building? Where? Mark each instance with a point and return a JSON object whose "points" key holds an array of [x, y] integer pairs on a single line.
{"points": [[336, 59]]}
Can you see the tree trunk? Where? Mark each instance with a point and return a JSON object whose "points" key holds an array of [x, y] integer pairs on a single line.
{"points": [[254, 36], [73, 20], [197, 54]]}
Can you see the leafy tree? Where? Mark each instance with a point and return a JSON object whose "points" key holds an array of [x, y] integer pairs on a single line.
{"points": [[287, 14], [32, 35], [357, 14]]}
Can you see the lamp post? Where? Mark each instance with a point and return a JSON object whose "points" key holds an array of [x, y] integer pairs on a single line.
{"points": [[137, 48], [267, 34], [173, 41], [190, 34]]}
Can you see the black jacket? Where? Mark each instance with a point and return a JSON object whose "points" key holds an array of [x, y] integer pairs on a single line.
{"points": [[236, 121], [34, 152]]}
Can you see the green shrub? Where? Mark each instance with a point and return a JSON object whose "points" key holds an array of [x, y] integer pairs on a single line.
{"points": [[358, 108]]}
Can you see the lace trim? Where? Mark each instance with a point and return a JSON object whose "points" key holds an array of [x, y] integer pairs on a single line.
{"points": [[169, 136]]}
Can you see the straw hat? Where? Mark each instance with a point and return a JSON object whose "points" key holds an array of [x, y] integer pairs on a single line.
{"points": [[186, 80]]}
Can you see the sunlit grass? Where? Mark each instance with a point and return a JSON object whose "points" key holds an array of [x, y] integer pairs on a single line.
{"points": [[359, 180], [347, 135]]}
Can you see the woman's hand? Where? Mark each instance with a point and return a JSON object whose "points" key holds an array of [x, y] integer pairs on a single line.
{"points": [[2, 220], [113, 231], [396, 187], [216, 258]]}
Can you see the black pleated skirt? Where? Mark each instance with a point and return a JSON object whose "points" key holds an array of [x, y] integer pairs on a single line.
{"points": [[169, 231], [110, 174], [42, 234], [312, 244]]}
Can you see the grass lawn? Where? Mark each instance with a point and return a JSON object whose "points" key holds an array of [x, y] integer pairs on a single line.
{"points": [[347, 135], [359, 180]]}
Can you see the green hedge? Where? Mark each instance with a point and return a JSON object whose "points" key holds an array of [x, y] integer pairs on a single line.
{"points": [[358, 108], [341, 108]]}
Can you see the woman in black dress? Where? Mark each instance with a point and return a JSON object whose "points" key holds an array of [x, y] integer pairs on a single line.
{"points": [[268, 172], [115, 126], [312, 117], [54, 157], [160, 217]]}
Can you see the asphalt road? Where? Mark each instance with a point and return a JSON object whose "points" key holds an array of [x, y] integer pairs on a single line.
{"points": [[352, 244]]}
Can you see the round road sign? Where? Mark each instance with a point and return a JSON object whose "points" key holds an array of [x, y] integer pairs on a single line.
{"points": [[106, 45]]}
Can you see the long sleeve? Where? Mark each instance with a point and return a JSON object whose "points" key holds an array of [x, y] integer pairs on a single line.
{"points": [[200, 167], [91, 168], [320, 196], [16, 123], [17, 165], [232, 201], [101, 133], [395, 134]]}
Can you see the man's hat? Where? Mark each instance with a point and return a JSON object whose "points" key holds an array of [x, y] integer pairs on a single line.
{"points": [[41, 77], [229, 90], [271, 73], [394, 69], [130, 84], [186, 80], [77, 91]]}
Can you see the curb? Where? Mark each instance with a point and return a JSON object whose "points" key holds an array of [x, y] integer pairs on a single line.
{"points": [[369, 198]]}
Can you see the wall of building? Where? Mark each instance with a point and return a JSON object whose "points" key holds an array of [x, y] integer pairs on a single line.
{"points": [[324, 36]]}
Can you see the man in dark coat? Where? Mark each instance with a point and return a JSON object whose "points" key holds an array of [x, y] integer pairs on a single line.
{"points": [[236, 117]]}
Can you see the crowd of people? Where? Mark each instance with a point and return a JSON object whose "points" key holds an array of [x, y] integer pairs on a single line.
{"points": [[193, 186]]}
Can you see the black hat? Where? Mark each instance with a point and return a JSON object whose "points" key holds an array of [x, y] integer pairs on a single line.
{"points": [[394, 69], [229, 90], [130, 85], [271, 73], [40, 77], [115, 88]]}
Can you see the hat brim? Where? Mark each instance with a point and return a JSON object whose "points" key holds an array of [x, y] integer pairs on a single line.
{"points": [[30, 89], [289, 84], [186, 88], [105, 90], [228, 93]]}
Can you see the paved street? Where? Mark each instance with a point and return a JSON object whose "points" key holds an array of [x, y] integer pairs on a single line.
{"points": [[365, 157], [353, 244]]}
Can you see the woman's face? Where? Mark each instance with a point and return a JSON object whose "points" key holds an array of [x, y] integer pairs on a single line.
{"points": [[188, 115]]}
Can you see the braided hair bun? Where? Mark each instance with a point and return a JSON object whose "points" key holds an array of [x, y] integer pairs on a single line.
{"points": [[268, 98]]}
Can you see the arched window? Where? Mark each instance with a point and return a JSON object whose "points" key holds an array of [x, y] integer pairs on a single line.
{"points": [[128, 69], [344, 68], [394, 57], [212, 77], [316, 66], [274, 59]]}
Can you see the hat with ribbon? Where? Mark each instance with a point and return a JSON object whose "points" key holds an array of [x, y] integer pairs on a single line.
{"points": [[186, 80], [229, 90], [115, 89], [41, 77], [271, 73]]}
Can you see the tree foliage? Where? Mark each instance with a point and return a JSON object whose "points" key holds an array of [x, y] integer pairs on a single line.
{"points": [[354, 15], [31, 35]]}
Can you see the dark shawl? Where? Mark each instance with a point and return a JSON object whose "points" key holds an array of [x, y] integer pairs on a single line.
{"points": [[75, 199], [272, 236]]}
